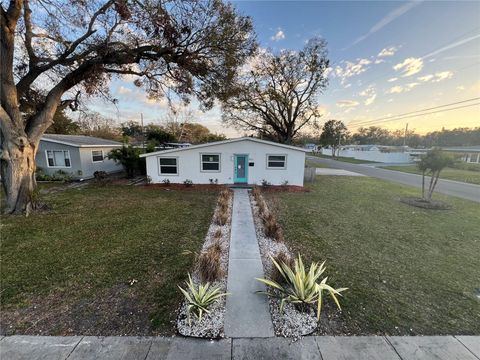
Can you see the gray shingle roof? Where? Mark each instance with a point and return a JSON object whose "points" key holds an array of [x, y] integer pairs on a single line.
{"points": [[79, 140]]}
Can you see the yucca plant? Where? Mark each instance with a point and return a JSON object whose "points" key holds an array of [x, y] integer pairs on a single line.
{"points": [[199, 297], [301, 287]]}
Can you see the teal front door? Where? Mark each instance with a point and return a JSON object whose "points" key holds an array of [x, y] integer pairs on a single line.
{"points": [[241, 169]]}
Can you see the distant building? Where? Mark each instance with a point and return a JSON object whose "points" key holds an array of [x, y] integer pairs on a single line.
{"points": [[468, 154], [79, 156]]}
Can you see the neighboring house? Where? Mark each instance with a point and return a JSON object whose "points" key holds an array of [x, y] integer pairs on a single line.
{"points": [[468, 154], [80, 156], [376, 153], [237, 161]]}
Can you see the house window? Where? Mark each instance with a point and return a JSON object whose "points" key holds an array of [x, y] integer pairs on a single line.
{"points": [[97, 155], [58, 158], [168, 166], [210, 162], [276, 161]]}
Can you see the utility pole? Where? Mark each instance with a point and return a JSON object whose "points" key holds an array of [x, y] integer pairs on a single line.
{"points": [[405, 136]]}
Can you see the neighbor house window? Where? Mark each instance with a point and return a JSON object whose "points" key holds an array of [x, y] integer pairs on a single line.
{"points": [[168, 166], [276, 161], [97, 155], [210, 162], [58, 158]]}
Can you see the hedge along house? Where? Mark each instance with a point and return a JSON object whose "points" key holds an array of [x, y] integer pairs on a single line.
{"points": [[237, 161], [78, 155]]}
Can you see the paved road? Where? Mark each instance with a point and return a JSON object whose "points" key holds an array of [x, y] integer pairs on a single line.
{"points": [[448, 187], [179, 348]]}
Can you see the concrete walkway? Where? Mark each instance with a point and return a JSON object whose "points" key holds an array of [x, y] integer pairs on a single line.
{"points": [[247, 313], [179, 348]]}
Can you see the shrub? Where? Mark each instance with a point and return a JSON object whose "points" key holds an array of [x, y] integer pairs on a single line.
{"points": [[166, 182], [220, 218], [199, 297], [188, 183], [209, 266], [100, 177], [265, 183], [130, 159], [218, 234], [213, 181], [281, 258], [285, 183], [302, 288], [148, 179], [271, 227]]}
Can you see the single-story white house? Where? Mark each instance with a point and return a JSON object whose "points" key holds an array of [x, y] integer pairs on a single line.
{"points": [[244, 160], [77, 155]]}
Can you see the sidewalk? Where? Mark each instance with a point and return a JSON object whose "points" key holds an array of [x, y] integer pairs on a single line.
{"points": [[179, 348], [247, 313]]}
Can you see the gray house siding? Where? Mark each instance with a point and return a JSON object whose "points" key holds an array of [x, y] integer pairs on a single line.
{"points": [[82, 165], [89, 166]]}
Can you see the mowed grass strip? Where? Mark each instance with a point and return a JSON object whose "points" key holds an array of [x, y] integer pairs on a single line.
{"points": [[408, 270], [118, 247], [468, 176]]}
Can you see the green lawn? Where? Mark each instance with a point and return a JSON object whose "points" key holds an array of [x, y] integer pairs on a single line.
{"points": [[468, 176], [345, 159], [104, 261], [409, 270]]}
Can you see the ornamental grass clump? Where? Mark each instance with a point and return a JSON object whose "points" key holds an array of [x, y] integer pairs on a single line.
{"points": [[209, 265], [301, 288], [271, 227], [220, 218], [199, 298]]}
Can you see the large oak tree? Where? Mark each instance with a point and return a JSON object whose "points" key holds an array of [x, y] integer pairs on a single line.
{"points": [[278, 95], [59, 50]]}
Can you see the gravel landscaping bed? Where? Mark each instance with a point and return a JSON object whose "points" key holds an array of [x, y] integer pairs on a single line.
{"points": [[211, 325], [292, 322]]}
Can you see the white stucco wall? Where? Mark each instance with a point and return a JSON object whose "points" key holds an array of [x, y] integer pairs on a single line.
{"points": [[189, 164], [373, 155]]}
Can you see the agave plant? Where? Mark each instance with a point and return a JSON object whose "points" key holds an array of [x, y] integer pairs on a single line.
{"points": [[199, 297], [302, 287]]}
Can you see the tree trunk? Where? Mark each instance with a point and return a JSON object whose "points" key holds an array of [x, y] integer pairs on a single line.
{"points": [[17, 168]]}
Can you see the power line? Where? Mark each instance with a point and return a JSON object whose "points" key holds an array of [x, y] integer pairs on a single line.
{"points": [[422, 114], [413, 112]]}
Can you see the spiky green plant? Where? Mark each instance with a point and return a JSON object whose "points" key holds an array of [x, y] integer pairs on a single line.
{"points": [[199, 297], [301, 287]]}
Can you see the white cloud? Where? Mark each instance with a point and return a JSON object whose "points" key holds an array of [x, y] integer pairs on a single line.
{"points": [[379, 61], [460, 88], [370, 93], [392, 15], [123, 90], [352, 69], [390, 51], [346, 104], [402, 89], [370, 100], [437, 77], [392, 79], [280, 35], [409, 66]]}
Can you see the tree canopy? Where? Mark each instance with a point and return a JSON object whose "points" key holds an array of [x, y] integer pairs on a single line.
{"points": [[66, 49], [277, 95], [333, 133]]}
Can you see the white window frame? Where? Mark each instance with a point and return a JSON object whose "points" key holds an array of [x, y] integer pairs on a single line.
{"points": [[219, 162], [276, 167], [97, 161], [160, 166], [55, 166]]}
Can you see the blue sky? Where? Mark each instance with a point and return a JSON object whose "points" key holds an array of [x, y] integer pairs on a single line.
{"points": [[387, 58]]}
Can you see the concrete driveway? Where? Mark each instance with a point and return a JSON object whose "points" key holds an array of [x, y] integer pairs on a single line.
{"points": [[448, 187]]}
